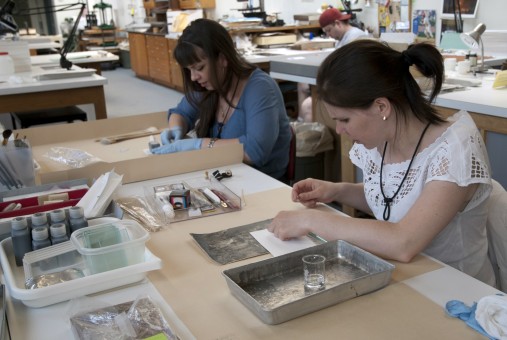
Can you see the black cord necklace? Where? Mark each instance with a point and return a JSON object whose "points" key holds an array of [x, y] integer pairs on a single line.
{"points": [[389, 200], [228, 109]]}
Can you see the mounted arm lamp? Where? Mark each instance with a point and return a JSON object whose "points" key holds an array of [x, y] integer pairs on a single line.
{"points": [[64, 62], [7, 23], [473, 39], [6, 13]]}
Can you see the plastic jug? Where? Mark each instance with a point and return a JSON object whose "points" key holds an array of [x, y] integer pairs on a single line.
{"points": [[6, 64]]}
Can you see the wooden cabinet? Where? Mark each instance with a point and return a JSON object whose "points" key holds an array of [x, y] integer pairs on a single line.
{"points": [[151, 58], [177, 77], [191, 4], [158, 59], [151, 55], [138, 55]]}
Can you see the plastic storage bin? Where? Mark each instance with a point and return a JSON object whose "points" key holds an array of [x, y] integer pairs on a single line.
{"points": [[110, 246]]}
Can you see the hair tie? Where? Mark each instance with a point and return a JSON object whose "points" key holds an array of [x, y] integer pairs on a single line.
{"points": [[406, 58]]}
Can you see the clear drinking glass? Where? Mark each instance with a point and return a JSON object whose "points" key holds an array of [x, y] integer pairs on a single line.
{"points": [[314, 269]]}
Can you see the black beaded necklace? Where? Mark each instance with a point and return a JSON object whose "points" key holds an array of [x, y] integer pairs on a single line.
{"points": [[389, 200], [226, 113]]}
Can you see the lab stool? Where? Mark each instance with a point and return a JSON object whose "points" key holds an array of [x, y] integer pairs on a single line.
{"points": [[65, 114]]}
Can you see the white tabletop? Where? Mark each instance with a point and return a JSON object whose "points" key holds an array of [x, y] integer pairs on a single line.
{"points": [[52, 322], [75, 57], [27, 82], [482, 99]]}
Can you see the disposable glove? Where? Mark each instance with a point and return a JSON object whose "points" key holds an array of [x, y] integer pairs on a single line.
{"points": [[178, 146], [460, 310], [174, 133]]}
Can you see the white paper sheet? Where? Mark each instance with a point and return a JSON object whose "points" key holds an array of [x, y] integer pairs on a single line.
{"points": [[100, 195], [278, 247]]}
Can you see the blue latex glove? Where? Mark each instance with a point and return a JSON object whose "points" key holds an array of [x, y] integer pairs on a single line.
{"points": [[174, 133], [178, 146], [461, 311]]}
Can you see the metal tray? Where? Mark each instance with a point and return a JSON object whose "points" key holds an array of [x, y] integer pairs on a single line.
{"points": [[273, 289]]}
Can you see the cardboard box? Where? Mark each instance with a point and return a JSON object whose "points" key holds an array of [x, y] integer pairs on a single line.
{"points": [[313, 45], [177, 21], [275, 39], [190, 4], [127, 158]]}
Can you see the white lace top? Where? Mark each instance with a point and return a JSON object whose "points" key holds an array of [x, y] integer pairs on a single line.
{"points": [[459, 156]]}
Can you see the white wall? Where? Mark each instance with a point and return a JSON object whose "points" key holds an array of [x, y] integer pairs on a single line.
{"points": [[491, 12], [120, 11]]}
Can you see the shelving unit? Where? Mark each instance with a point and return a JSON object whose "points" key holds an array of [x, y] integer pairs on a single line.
{"points": [[156, 14], [99, 37]]}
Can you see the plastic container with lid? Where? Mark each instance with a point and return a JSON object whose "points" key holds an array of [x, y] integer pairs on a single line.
{"points": [[110, 246], [6, 64]]}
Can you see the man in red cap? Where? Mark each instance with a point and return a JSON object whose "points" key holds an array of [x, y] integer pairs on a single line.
{"points": [[335, 24]]}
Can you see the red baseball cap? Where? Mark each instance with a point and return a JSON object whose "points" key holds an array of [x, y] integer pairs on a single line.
{"points": [[330, 15]]}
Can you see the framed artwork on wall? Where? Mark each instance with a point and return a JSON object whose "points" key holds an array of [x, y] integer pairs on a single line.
{"points": [[424, 23]]}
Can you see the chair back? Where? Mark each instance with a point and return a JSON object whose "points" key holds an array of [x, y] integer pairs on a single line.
{"points": [[290, 173], [497, 234]]}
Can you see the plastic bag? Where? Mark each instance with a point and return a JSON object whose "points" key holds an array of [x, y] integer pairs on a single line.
{"points": [[148, 213], [312, 139], [139, 319], [74, 158]]}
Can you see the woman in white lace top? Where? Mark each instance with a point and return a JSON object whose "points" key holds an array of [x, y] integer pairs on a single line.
{"points": [[426, 179]]}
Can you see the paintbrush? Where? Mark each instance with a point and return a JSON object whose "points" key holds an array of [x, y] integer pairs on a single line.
{"points": [[6, 134], [136, 134]]}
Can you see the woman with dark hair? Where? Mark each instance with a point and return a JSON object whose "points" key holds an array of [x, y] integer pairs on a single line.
{"points": [[227, 100], [426, 179]]}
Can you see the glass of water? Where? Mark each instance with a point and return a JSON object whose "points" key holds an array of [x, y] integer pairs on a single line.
{"points": [[314, 269]]}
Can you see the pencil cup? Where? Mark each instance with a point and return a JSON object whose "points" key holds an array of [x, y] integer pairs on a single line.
{"points": [[314, 269], [16, 165], [450, 64]]}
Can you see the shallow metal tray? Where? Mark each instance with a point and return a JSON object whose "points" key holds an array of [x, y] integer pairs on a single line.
{"points": [[273, 289]]}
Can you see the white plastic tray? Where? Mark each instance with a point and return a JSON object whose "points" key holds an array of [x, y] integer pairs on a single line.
{"points": [[41, 297]]}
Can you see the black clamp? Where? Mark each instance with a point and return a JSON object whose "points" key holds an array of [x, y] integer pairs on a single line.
{"points": [[221, 175]]}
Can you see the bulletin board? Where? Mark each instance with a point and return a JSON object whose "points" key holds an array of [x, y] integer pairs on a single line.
{"points": [[394, 16]]}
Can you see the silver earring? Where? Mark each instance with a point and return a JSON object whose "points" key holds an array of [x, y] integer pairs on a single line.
{"points": [[384, 118]]}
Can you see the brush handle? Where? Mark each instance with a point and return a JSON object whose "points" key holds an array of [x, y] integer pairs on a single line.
{"points": [[127, 136]]}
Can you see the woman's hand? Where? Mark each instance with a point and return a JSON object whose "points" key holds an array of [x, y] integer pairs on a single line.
{"points": [[172, 134], [292, 224], [311, 191], [178, 146]]}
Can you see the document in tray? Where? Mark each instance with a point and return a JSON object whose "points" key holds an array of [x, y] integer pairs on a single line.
{"points": [[279, 247], [234, 244]]}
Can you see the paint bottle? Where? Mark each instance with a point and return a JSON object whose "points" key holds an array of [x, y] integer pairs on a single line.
{"points": [[40, 219], [21, 238], [58, 216], [40, 238], [473, 59], [77, 219], [58, 233]]}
